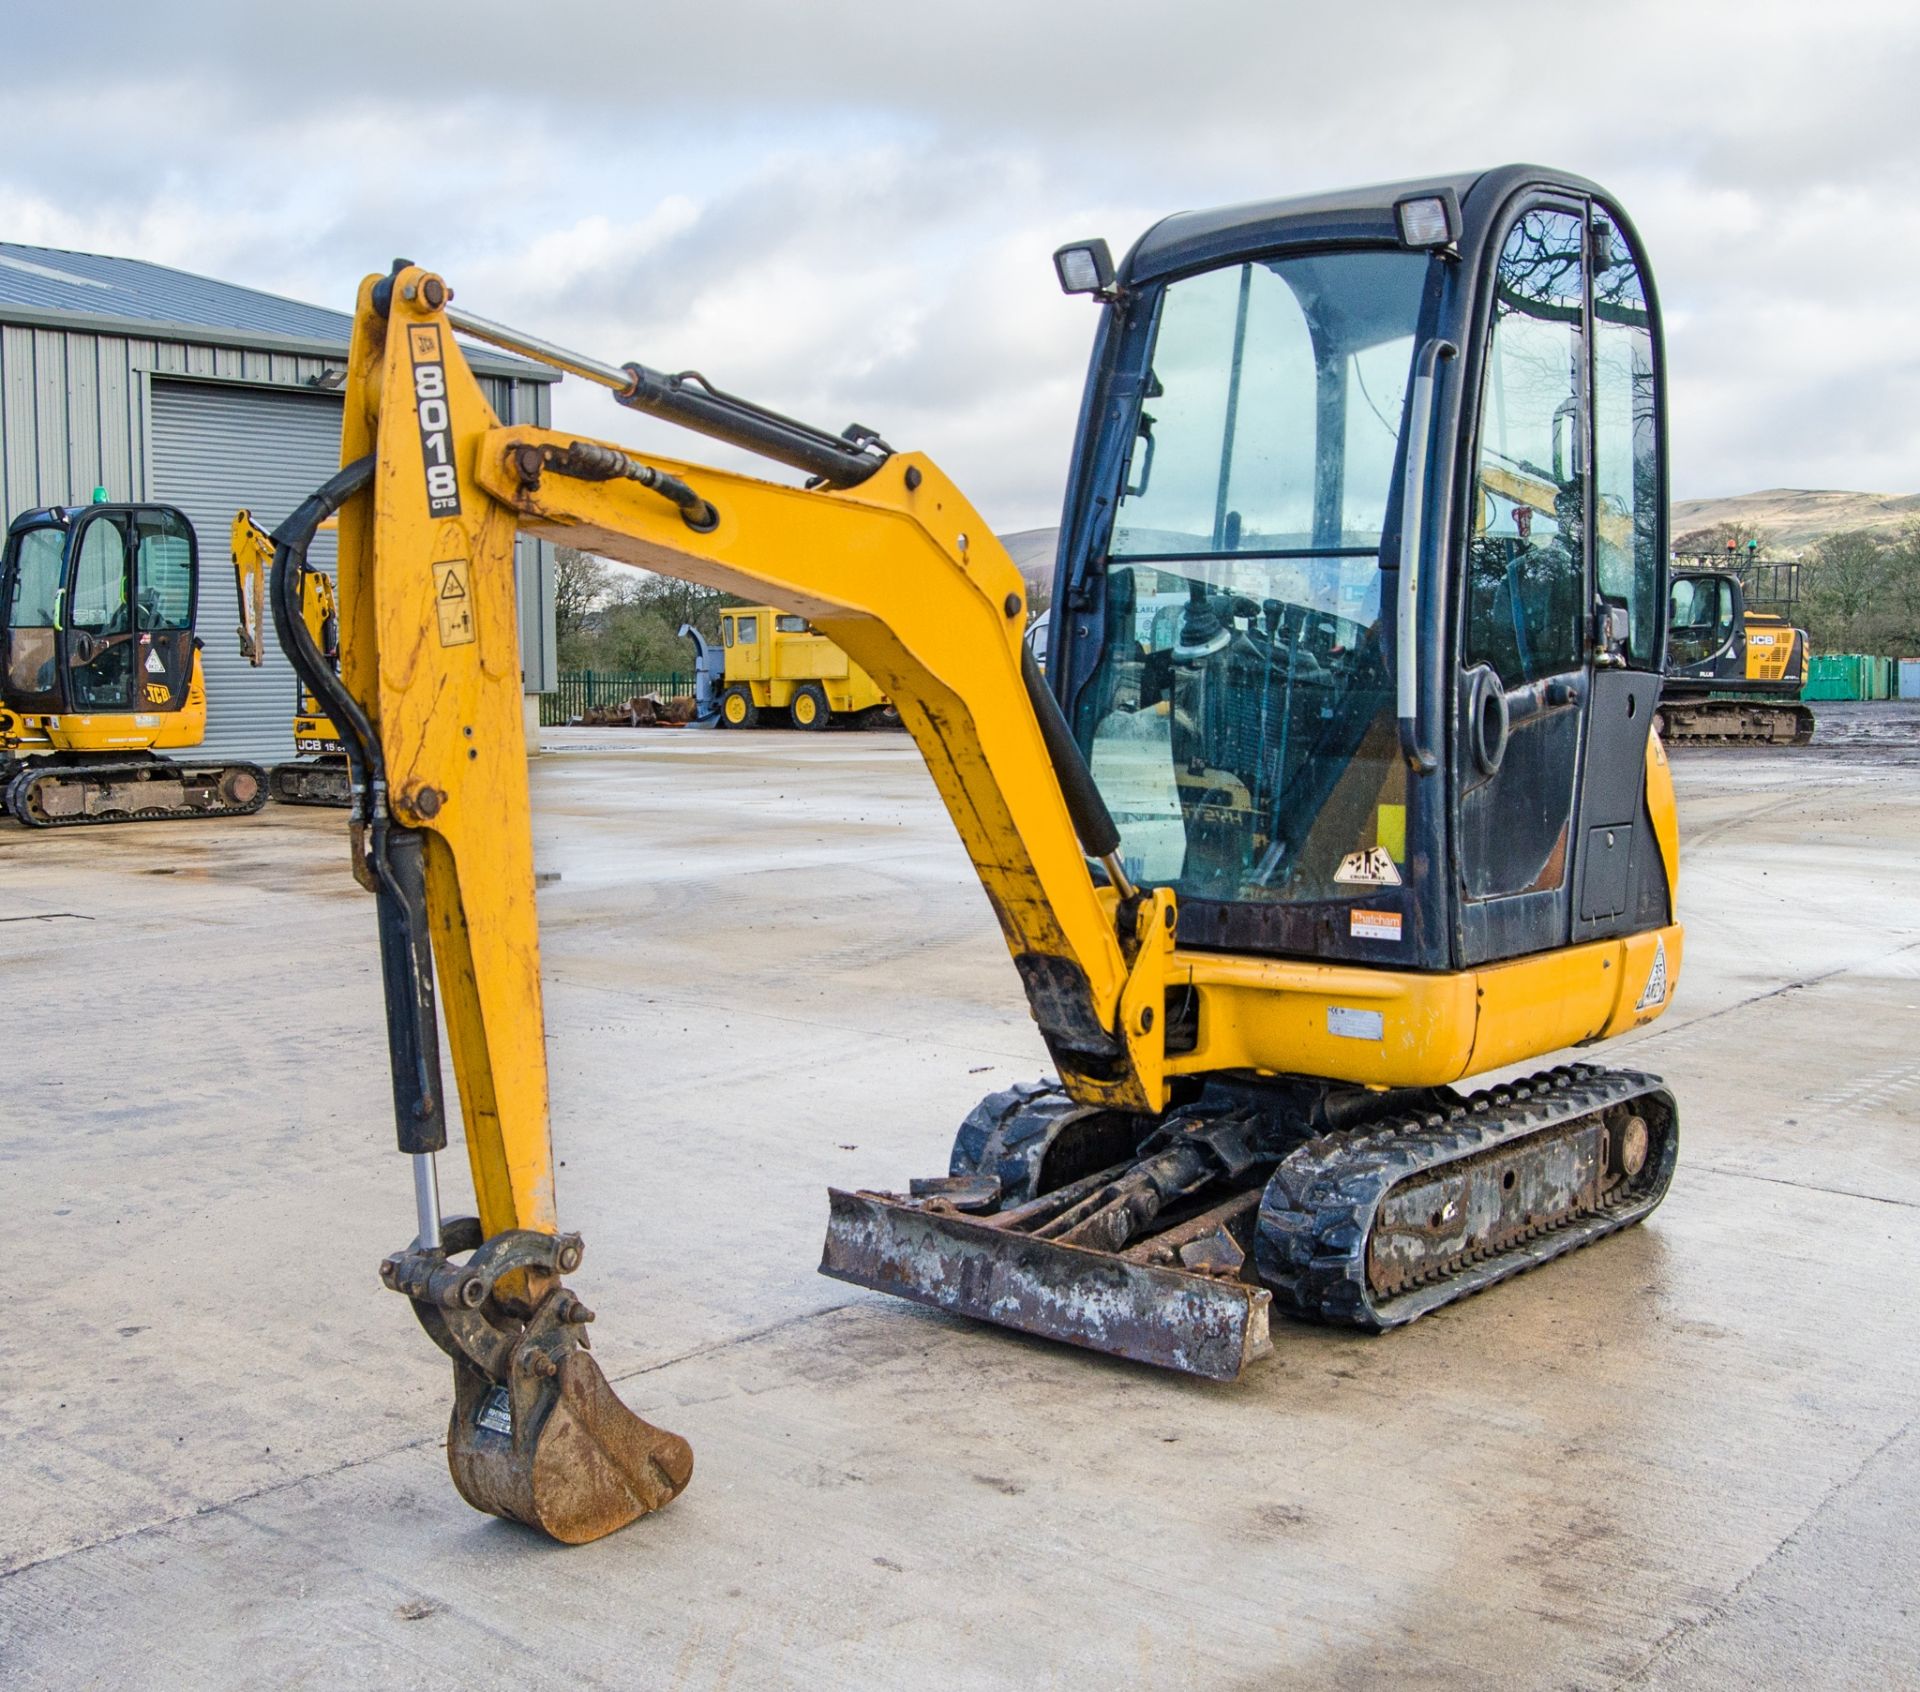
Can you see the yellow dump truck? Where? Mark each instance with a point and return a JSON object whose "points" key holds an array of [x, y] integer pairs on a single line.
{"points": [[770, 660]]}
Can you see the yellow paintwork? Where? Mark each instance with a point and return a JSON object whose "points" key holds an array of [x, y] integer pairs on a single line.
{"points": [[449, 718], [773, 662], [905, 576], [252, 551], [23, 734], [1772, 646]]}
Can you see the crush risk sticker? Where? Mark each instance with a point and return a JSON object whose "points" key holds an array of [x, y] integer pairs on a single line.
{"points": [[436, 422], [1372, 868], [453, 601], [1655, 992]]}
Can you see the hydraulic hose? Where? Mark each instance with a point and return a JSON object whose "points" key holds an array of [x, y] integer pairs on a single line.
{"points": [[395, 855]]}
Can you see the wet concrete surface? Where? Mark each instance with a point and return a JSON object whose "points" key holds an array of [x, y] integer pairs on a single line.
{"points": [[1689, 1457]]}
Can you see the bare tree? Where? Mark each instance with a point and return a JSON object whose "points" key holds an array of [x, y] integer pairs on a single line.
{"points": [[580, 585]]}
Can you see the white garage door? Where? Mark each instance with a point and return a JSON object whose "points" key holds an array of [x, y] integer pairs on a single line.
{"points": [[217, 448]]}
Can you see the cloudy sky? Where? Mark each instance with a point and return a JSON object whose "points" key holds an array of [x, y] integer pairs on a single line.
{"points": [[848, 210]]}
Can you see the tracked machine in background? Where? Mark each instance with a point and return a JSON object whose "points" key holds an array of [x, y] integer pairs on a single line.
{"points": [[318, 775], [1384, 814], [103, 684], [1734, 674]]}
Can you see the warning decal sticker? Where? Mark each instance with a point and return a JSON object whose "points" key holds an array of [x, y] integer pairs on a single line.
{"points": [[1655, 992], [495, 1413], [1375, 925], [453, 602], [1372, 868]]}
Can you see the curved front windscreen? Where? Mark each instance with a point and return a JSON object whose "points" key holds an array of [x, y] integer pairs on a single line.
{"points": [[1240, 722]]}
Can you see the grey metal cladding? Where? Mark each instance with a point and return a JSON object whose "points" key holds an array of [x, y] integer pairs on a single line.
{"points": [[217, 448], [52, 287]]}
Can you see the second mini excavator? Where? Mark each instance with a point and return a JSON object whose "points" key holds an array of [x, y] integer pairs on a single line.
{"points": [[1385, 814], [103, 685], [318, 774]]}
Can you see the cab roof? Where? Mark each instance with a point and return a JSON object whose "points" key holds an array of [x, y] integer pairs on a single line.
{"points": [[1196, 239]]}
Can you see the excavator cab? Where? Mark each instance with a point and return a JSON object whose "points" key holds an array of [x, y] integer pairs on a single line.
{"points": [[102, 670], [1403, 460], [98, 611]]}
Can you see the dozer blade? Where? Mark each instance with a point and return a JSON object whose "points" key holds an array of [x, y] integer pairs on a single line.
{"points": [[1172, 1318], [562, 1454]]}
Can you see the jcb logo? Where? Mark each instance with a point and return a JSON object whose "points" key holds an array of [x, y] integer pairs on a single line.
{"points": [[436, 421], [157, 694]]}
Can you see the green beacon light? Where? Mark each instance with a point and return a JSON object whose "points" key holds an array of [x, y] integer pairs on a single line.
{"points": [[99, 496]]}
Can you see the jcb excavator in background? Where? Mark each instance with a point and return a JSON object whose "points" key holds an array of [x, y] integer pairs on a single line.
{"points": [[103, 675], [1734, 674], [1386, 814], [318, 776]]}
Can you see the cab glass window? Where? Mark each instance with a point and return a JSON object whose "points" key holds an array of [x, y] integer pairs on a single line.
{"points": [[1702, 619], [165, 548], [33, 609], [1240, 720], [100, 586], [726, 631], [1626, 445], [790, 625], [1526, 570], [749, 630]]}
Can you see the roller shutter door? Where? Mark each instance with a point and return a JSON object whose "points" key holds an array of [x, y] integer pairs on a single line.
{"points": [[217, 448]]}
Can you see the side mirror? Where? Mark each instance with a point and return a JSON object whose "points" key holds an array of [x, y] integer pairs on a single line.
{"points": [[1085, 267]]}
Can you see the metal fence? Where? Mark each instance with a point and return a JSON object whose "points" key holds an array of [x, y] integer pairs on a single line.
{"points": [[578, 690]]}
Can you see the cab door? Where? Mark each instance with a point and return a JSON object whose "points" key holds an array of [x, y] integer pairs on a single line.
{"points": [[97, 638], [166, 569], [1620, 881], [1521, 689], [1563, 614]]}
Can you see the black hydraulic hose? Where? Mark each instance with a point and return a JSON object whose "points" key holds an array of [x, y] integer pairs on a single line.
{"points": [[1092, 821], [290, 543], [395, 855]]}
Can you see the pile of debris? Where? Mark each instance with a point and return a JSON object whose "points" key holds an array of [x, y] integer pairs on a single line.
{"points": [[644, 710]]}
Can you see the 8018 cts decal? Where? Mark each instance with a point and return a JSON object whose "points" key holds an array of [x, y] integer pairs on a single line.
{"points": [[436, 433]]}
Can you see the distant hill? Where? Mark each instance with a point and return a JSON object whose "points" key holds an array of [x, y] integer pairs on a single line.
{"points": [[1785, 519], [1789, 519]]}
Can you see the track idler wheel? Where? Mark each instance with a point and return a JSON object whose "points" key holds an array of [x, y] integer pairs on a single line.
{"points": [[537, 1435]]}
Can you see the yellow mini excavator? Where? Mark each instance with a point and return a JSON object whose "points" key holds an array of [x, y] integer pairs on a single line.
{"points": [[318, 776], [103, 675], [1385, 813]]}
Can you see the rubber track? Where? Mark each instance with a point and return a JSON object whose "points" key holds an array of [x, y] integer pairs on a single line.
{"points": [[17, 789], [315, 775], [1317, 1213]]}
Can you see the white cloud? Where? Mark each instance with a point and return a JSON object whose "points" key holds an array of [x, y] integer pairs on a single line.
{"points": [[847, 212]]}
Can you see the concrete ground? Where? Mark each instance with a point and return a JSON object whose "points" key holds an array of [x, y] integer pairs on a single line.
{"points": [[1689, 1457]]}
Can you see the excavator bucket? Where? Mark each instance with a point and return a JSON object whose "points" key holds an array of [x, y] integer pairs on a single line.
{"points": [[1175, 1318], [572, 1461], [537, 1435]]}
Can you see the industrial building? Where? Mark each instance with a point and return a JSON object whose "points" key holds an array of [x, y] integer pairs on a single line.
{"points": [[155, 384]]}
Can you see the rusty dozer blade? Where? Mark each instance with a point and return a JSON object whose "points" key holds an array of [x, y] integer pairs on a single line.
{"points": [[537, 1435], [927, 1251]]}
